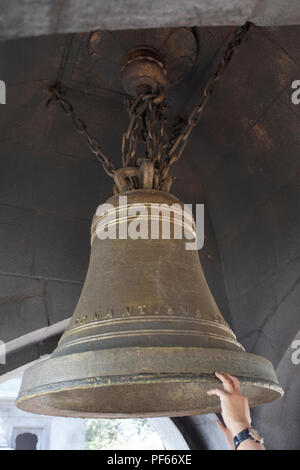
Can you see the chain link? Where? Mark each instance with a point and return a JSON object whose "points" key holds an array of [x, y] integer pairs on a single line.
{"points": [[147, 123], [58, 94], [147, 126], [180, 140]]}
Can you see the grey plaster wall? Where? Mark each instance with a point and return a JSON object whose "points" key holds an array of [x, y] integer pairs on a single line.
{"points": [[250, 171], [280, 420], [35, 17]]}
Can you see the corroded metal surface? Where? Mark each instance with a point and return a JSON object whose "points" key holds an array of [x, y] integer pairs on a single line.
{"points": [[143, 68], [141, 382], [145, 74], [177, 48], [146, 336]]}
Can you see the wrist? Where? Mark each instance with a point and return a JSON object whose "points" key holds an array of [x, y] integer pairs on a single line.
{"points": [[248, 438], [238, 427]]}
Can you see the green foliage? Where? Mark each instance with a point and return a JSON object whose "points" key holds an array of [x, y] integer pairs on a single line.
{"points": [[118, 434]]}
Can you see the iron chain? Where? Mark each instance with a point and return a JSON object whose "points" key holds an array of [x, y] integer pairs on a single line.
{"points": [[57, 93], [147, 127], [180, 141], [147, 124]]}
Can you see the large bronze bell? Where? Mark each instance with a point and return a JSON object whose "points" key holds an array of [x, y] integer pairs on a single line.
{"points": [[146, 336]]}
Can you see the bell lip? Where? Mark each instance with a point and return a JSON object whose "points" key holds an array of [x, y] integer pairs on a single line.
{"points": [[30, 398], [34, 407]]}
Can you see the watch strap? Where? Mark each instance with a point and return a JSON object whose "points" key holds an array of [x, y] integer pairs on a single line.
{"points": [[242, 436]]}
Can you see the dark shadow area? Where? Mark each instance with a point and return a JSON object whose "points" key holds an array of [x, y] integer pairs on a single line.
{"points": [[26, 441]]}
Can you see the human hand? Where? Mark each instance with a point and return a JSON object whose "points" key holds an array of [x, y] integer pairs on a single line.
{"points": [[235, 407]]}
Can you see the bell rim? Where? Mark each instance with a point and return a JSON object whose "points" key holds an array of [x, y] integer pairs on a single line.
{"points": [[215, 408], [30, 398]]}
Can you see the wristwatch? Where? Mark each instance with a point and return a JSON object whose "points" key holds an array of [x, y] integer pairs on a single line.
{"points": [[249, 433]]}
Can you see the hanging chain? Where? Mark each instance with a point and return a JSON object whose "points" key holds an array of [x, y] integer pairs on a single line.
{"points": [[147, 125], [58, 94], [180, 138]]}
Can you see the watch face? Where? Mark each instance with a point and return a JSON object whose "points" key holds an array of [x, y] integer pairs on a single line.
{"points": [[256, 435]]}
